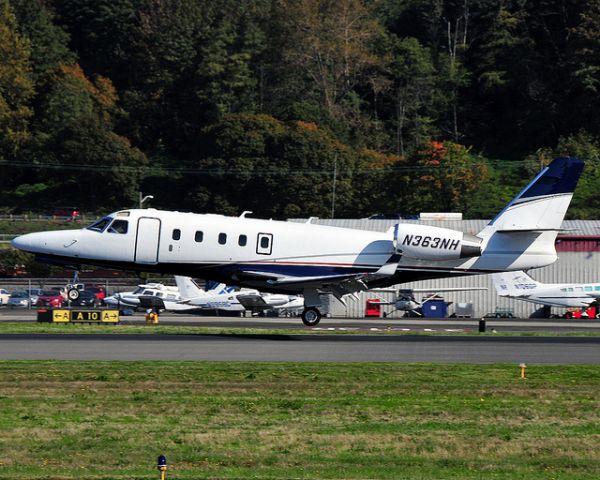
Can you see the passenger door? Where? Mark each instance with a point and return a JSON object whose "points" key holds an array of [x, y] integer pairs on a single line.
{"points": [[147, 241]]}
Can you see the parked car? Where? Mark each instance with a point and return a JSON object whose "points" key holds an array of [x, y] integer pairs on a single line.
{"points": [[19, 299], [34, 293], [4, 296], [62, 291], [50, 298], [24, 298], [64, 211], [87, 298]]}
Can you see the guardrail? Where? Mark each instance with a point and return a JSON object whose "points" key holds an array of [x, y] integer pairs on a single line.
{"points": [[7, 237], [28, 217]]}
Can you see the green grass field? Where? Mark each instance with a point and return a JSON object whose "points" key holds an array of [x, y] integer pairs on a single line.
{"points": [[34, 327], [110, 420]]}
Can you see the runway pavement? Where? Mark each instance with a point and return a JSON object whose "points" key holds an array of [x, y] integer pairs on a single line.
{"points": [[298, 347], [302, 348], [452, 325]]}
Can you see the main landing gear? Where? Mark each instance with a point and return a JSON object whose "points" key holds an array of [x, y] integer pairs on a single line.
{"points": [[311, 316]]}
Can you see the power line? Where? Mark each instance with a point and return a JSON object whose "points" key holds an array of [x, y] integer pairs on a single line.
{"points": [[271, 170]]}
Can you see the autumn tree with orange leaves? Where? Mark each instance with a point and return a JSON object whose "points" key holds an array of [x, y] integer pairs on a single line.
{"points": [[445, 174]]}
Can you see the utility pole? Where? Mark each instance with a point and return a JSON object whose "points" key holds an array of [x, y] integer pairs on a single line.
{"points": [[333, 188]]}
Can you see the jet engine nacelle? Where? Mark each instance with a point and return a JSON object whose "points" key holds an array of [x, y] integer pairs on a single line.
{"points": [[425, 242]]}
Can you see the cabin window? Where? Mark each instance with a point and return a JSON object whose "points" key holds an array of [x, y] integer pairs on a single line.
{"points": [[100, 225], [578, 289], [119, 226], [597, 288], [176, 234], [264, 244], [199, 236], [569, 289], [242, 240], [222, 238], [563, 289], [588, 289]]}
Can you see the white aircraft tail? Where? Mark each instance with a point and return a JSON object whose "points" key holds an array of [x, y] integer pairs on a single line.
{"points": [[188, 288], [514, 284], [524, 232]]}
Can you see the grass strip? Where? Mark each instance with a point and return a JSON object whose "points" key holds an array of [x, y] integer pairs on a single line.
{"points": [[34, 327], [110, 420]]}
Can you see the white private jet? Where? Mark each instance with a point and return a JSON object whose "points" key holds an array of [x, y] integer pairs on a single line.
{"points": [[521, 286], [232, 301], [307, 259]]}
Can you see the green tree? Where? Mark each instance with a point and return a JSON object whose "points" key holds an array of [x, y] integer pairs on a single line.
{"points": [[446, 173], [283, 170], [48, 41], [100, 32], [16, 85], [412, 78], [329, 46]]}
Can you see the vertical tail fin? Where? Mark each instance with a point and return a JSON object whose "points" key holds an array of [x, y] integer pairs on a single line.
{"points": [[218, 288], [523, 234], [188, 288], [542, 204], [513, 284]]}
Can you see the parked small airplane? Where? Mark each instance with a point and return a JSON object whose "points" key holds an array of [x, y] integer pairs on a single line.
{"points": [[521, 286], [406, 301], [149, 294], [307, 259], [232, 301]]}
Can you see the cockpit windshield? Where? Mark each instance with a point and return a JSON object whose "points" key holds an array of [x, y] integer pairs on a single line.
{"points": [[100, 225]]}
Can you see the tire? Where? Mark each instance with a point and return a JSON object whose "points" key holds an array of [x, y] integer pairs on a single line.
{"points": [[73, 294], [311, 316]]}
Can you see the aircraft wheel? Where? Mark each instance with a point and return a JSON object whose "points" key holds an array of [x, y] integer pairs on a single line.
{"points": [[73, 294], [311, 316]]}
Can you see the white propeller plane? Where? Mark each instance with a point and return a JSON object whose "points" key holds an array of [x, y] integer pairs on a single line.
{"points": [[155, 294], [521, 286], [307, 259], [232, 301]]}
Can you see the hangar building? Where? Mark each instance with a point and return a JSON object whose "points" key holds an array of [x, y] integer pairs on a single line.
{"points": [[578, 248]]}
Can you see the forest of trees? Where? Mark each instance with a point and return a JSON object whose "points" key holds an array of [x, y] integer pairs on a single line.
{"points": [[227, 105]]}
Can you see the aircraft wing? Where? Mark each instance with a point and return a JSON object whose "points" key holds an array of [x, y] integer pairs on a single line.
{"points": [[318, 281], [427, 290], [252, 300], [339, 285]]}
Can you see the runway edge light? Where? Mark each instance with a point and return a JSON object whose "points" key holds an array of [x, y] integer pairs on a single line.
{"points": [[162, 466], [522, 366]]}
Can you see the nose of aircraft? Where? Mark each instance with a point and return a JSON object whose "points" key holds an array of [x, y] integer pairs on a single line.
{"points": [[55, 242]]}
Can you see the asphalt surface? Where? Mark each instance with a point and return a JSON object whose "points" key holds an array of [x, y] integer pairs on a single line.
{"points": [[414, 325], [297, 347], [302, 348]]}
